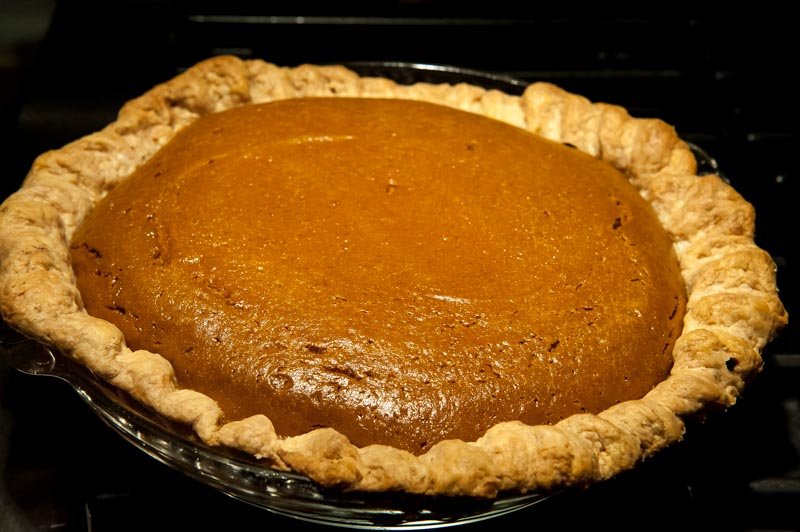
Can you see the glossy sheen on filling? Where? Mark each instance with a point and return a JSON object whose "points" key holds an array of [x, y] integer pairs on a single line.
{"points": [[400, 271]]}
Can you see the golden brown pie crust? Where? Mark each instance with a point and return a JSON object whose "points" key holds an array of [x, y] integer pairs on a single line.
{"points": [[732, 311]]}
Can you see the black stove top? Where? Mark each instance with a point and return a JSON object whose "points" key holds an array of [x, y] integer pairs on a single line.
{"points": [[723, 82]]}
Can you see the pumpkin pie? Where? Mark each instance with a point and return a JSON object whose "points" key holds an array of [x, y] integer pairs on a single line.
{"points": [[429, 288]]}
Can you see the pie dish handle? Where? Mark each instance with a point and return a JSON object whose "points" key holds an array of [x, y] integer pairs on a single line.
{"points": [[26, 355]]}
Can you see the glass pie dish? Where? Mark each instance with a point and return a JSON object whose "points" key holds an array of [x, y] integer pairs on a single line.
{"points": [[244, 478]]}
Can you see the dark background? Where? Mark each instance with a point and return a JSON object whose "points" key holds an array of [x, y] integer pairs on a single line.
{"points": [[726, 80]]}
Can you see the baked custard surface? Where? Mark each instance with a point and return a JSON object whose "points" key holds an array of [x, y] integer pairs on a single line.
{"points": [[400, 271]]}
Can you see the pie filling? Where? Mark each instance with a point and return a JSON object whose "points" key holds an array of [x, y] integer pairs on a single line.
{"points": [[400, 271]]}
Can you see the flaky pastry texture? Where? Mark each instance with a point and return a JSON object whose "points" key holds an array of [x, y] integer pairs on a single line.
{"points": [[733, 308]]}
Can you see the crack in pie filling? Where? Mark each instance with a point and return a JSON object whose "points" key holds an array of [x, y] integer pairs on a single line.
{"points": [[362, 282]]}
